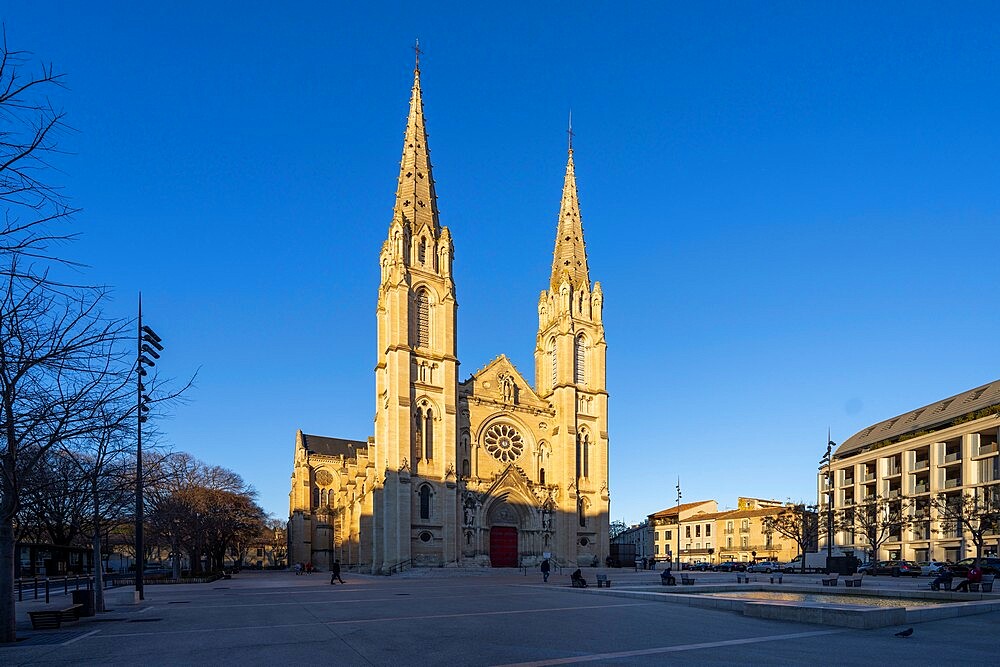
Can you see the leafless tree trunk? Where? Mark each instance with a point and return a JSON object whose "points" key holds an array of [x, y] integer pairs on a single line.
{"points": [[61, 365]]}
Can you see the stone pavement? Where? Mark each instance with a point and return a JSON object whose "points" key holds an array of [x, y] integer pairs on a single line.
{"points": [[451, 617]]}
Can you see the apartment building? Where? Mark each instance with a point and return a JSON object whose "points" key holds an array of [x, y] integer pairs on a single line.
{"points": [[948, 447]]}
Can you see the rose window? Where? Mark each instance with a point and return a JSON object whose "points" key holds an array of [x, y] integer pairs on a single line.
{"points": [[324, 478], [504, 443]]}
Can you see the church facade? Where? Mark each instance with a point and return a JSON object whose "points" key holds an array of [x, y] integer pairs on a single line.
{"points": [[489, 471]]}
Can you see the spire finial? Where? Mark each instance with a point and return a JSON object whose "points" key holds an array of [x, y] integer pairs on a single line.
{"points": [[417, 51], [570, 131]]}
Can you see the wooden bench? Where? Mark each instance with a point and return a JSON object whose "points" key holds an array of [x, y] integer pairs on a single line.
{"points": [[830, 580], [946, 584], [776, 577], [52, 619], [986, 585], [667, 580], [854, 581], [742, 578], [687, 580], [603, 581]]}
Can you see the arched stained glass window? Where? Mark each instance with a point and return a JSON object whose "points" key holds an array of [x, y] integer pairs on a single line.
{"points": [[425, 502], [423, 323]]}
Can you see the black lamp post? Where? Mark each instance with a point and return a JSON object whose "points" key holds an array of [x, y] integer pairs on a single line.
{"points": [[148, 345], [827, 460], [678, 524]]}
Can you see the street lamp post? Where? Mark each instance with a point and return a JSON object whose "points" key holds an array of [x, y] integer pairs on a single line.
{"points": [[828, 461], [678, 524], [148, 345]]}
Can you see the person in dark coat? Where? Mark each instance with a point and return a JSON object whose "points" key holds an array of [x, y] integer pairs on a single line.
{"points": [[546, 568], [577, 580], [335, 572]]}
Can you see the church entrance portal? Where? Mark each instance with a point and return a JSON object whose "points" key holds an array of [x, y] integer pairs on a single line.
{"points": [[503, 546]]}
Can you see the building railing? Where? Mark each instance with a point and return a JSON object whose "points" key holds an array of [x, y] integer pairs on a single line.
{"points": [[921, 464], [952, 482], [985, 450], [953, 457]]}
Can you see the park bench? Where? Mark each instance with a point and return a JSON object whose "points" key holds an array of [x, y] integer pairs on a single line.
{"points": [[687, 580], [986, 585], [830, 580], [854, 581], [603, 581], [776, 577], [946, 584], [742, 578], [51, 619], [667, 579]]}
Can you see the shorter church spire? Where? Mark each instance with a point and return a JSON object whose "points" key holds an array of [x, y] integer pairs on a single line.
{"points": [[569, 261]]}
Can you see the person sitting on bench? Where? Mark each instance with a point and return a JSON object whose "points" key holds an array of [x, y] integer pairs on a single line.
{"points": [[666, 578], [975, 576], [577, 580], [944, 577]]}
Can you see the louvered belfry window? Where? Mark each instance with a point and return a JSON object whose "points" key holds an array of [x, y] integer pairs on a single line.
{"points": [[423, 319], [552, 361], [579, 361]]}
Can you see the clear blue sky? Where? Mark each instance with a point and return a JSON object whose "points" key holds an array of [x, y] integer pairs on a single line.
{"points": [[793, 210]]}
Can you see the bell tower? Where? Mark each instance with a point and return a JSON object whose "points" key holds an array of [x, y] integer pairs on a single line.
{"points": [[570, 352], [416, 377]]}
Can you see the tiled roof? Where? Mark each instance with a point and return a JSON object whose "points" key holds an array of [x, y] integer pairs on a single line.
{"points": [[923, 419], [674, 510], [318, 444]]}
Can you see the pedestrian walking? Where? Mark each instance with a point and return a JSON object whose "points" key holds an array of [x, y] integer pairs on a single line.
{"points": [[546, 568], [335, 572]]}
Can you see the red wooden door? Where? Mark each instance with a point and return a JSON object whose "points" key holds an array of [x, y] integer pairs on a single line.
{"points": [[503, 546]]}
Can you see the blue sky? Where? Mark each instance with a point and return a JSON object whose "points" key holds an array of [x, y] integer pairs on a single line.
{"points": [[792, 209]]}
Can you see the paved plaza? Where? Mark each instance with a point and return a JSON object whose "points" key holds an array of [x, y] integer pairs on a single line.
{"points": [[492, 617]]}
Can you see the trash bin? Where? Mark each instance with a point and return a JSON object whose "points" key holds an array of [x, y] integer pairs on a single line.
{"points": [[87, 599]]}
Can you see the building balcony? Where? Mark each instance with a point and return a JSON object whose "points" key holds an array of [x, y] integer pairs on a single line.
{"points": [[893, 493], [988, 450], [952, 458], [868, 477], [728, 531], [744, 530], [921, 488], [952, 482], [696, 552], [893, 472], [921, 464]]}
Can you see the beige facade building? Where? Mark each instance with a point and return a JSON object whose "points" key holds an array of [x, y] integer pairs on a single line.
{"points": [[947, 447], [493, 470], [708, 535]]}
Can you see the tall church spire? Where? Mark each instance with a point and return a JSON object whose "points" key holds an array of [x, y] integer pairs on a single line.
{"points": [[570, 257], [416, 201]]}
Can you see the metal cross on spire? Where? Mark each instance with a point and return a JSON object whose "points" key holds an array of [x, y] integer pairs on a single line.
{"points": [[417, 52], [570, 131]]}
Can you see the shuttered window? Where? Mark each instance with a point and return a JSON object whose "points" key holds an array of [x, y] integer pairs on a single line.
{"points": [[579, 361], [423, 319]]}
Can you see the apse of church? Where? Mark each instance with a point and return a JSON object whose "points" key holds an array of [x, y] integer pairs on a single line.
{"points": [[491, 471]]}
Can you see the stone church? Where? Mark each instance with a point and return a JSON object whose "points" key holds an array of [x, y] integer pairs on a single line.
{"points": [[489, 471]]}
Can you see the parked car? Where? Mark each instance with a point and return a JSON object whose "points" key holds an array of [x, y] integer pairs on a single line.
{"points": [[989, 565], [894, 568], [931, 568], [731, 566], [767, 566], [701, 566]]}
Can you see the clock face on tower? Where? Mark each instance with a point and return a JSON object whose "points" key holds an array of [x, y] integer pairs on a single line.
{"points": [[324, 478], [504, 443]]}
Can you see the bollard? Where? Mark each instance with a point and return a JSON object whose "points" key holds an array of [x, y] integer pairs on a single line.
{"points": [[20, 591], [46, 591], [36, 588]]}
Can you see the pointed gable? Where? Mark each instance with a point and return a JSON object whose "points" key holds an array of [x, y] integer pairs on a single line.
{"points": [[487, 384]]}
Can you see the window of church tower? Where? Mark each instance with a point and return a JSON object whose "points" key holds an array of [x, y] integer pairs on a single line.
{"points": [[422, 251], [541, 476], [429, 434], [423, 319], [466, 469], [425, 502], [552, 360], [579, 360]]}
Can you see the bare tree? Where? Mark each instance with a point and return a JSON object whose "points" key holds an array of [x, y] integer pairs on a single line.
{"points": [[30, 126], [798, 523], [976, 512], [878, 520], [61, 365]]}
